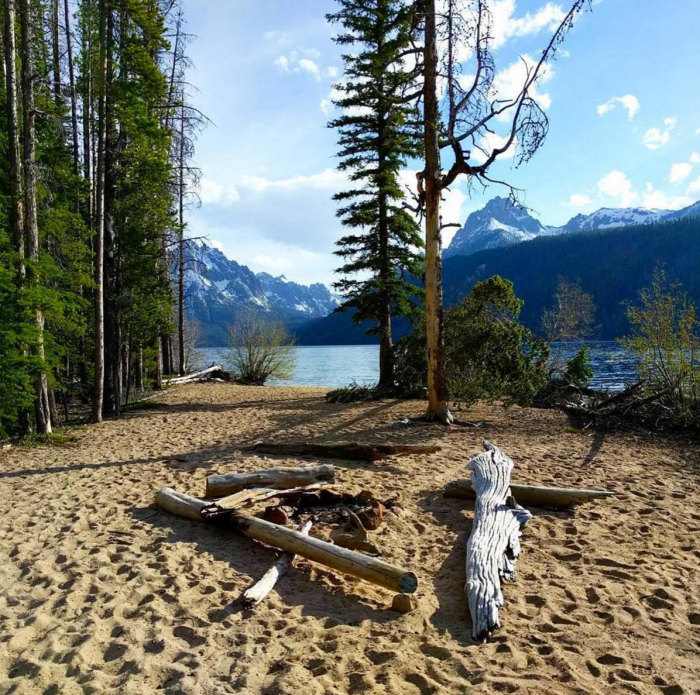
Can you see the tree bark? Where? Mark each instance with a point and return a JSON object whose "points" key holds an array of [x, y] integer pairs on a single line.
{"points": [[273, 478], [73, 96], [55, 22], [531, 495], [437, 384], [343, 560], [494, 542], [16, 204], [31, 224], [181, 248]]}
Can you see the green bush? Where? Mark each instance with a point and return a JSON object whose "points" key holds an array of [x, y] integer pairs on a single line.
{"points": [[489, 354], [578, 369]]}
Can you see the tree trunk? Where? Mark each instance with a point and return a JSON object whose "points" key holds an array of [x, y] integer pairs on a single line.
{"points": [[15, 173], [494, 542], [31, 224], [181, 249], [100, 220], [56, 19], [138, 377], [73, 97], [437, 385], [158, 386]]}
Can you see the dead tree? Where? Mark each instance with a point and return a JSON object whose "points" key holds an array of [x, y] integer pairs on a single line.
{"points": [[476, 126]]}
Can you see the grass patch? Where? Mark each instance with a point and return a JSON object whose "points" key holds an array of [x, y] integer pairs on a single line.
{"points": [[355, 393], [61, 436]]}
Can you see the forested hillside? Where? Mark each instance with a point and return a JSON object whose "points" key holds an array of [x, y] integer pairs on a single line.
{"points": [[612, 265]]}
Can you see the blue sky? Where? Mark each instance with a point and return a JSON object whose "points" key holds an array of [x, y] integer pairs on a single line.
{"points": [[622, 99]]}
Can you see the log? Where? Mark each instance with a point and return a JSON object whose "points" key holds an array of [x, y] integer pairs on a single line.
{"points": [[494, 542], [370, 569], [531, 495], [350, 451], [256, 593], [258, 494], [274, 478], [213, 372]]}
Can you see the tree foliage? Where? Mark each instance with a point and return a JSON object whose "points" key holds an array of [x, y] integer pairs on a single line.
{"points": [[377, 135], [489, 354]]}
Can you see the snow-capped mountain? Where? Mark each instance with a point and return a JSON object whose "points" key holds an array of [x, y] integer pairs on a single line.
{"points": [[500, 223], [216, 288]]}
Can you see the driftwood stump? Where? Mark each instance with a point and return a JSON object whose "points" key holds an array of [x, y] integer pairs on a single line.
{"points": [[494, 543], [274, 478]]}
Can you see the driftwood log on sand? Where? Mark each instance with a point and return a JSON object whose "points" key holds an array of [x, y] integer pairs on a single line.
{"points": [[253, 595], [343, 560], [274, 478], [216, 371], [494, 542], [531, 495], [349, 451]]}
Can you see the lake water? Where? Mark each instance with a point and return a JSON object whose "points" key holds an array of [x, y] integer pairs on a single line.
{"points": [[339, 365]]}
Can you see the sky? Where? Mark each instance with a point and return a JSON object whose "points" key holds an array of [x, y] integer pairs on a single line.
{"points": [[622, 99]]}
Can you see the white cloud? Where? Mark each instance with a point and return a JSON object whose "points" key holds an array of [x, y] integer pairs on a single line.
{"points": [[507, 26], [616, 185], [694, 186], [695, 158], [308, 65], [281, 38], [488, 143], [628, 101], [680, 172], [332, 72], [209, 191], [655, 199], [294, 63], [509, 82], [656, 137], [216, 244], [579, 200]]}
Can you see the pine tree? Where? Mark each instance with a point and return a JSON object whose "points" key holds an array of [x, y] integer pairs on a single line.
{"points": [[378, 135]]}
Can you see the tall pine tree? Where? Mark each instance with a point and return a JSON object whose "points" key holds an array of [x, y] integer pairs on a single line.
{"points": [[378, 134]]}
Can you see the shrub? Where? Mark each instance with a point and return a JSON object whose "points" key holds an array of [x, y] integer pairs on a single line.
{"points": [[578, 369], [261, 349], [665, 342], [356, 393], [489, 354]]}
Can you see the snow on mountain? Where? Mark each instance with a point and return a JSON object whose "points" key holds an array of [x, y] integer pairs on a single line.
{"points": [[500, 223], [217, 288]]}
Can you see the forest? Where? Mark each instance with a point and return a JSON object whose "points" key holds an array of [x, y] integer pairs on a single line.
{"points": [[96, 141]]}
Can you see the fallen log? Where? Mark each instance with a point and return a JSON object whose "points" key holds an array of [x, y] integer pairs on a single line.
{"points": [[216, 371], [350, 451], [494, 542], [274, 478], [370, 569], [531, 495], [253, 595], [258, 494]]}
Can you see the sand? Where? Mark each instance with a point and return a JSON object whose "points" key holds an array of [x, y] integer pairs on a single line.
{"points": [[100, 592]]}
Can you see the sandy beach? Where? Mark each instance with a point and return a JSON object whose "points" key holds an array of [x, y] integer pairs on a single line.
{"points": [[101, 592]]}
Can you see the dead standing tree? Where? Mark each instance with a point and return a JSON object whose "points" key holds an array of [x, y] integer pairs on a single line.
{"points": [[476, 125]]}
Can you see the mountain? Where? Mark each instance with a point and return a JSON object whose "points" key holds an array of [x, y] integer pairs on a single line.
{"points": [[216, 288], [611, 264], [500, 223]]}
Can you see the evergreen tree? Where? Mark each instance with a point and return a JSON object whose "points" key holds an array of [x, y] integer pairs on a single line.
{"points": [[378, 134]]}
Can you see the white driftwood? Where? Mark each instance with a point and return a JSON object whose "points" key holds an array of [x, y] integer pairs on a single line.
{"points": [[531, 495], [494, 543], [256, 593], [370, 569], [248, 496], [274, 478], [196, 376]]}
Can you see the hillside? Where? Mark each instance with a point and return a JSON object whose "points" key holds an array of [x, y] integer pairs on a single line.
{"points": [[611, 264]]}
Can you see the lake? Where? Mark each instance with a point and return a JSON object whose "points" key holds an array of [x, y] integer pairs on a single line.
{"points": [[339, 365]]}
